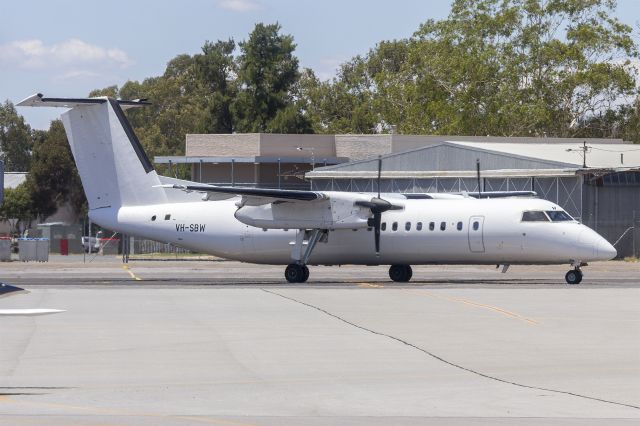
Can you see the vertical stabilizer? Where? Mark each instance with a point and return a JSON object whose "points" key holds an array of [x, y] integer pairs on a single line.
{"points": [[112, 164]]}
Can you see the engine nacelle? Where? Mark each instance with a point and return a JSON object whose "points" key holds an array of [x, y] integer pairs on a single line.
{"points": [[335, 212]]}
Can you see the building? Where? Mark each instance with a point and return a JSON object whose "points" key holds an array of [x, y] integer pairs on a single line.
{"points": [[281, 161], [255, 159]]}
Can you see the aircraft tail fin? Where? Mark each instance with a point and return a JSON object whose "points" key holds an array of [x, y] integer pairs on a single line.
{"points": [[113, 167]]}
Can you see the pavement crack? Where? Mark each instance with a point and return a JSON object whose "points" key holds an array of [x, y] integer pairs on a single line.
{"points": [[445, 361]]}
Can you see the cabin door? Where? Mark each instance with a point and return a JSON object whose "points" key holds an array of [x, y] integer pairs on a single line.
{"points": [[476, 239]]}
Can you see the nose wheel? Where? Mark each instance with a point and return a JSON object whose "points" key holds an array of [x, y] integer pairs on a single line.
{"points": [[296, 273], [574, 276]]}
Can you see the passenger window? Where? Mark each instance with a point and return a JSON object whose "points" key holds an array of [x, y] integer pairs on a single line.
{"points": [[394, 226], [534, 216], [443, 226], [419, 226], [558, 216], [432, 226], [167, 217], [407, 226], [459, 226], [383, 226], [153, 218], [476, 225]]}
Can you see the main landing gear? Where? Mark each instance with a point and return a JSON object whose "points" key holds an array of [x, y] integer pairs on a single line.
{"points": [[574, 276], [400, 273], [306, 240], [296, 273]]}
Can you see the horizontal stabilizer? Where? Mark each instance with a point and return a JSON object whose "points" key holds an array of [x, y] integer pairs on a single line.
{"points": [[38, 100]]}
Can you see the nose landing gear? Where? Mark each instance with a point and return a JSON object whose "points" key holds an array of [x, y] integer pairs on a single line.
{"points": [[574, 276]]}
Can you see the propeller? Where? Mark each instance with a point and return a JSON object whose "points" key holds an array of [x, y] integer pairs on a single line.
{"points": [[377, 206]]}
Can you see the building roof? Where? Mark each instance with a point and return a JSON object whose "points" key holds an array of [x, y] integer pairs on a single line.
{"points": [[605, 156], [13, 179], [458, 159]]}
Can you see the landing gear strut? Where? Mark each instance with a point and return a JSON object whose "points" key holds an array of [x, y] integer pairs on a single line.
{"points": [[574, 276], [400, 273], [296, 273]]}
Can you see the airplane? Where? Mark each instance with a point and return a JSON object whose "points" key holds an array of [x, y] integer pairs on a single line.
{"points": [[7, 290], [299, 228]]}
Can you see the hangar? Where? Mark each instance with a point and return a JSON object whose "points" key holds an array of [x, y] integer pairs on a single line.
{"points": [[596, 183]]}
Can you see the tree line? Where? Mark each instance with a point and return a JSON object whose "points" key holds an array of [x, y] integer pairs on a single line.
{"points": [[553, 68]]}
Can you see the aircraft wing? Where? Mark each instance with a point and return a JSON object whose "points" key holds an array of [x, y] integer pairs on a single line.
{"points": [[291, 209], [252, 196]]}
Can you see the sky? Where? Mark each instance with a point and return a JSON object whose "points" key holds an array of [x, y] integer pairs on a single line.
{"points": [[65, 48]]}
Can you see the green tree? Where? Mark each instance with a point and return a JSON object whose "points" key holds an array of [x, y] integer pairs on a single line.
{"points": [[53, 179], [17, 204], [215, 70], [267, 74], [521, 67], [15, 139]]}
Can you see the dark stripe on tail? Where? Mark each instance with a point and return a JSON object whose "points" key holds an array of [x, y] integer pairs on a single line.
{"points": [[135, 143]]}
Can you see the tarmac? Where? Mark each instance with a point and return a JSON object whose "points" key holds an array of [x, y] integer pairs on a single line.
{"points": [[226, 343]]}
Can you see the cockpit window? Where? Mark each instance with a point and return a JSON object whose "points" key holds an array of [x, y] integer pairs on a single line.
{"points": [[534, 216], [558, 216]]}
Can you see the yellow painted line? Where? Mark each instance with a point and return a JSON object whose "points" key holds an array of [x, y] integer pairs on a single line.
{"points": [[480, 305], [108, 411], [126, 268], [369, 285]]}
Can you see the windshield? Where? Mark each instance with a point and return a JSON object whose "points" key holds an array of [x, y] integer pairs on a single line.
{"points": [[534, 216], [558, 216]]}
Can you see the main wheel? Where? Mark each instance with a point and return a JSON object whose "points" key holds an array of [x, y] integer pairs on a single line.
{"points": [[296, 273], [574, 276], [305, 271], [400, 273]]}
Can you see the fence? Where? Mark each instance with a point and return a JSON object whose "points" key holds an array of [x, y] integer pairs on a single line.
{"points": [[143, 246]]}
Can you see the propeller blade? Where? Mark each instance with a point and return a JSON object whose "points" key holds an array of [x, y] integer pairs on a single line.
{"points": [[379, 173], [377, 218]]}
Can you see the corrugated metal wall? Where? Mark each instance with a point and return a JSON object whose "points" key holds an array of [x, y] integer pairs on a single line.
{"points": [[613, 210]]}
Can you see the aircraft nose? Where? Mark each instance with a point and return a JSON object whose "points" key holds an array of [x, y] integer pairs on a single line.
{"points": [[605, 250]]}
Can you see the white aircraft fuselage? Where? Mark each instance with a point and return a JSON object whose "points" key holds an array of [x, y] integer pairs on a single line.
{"points": [[501, 236]]}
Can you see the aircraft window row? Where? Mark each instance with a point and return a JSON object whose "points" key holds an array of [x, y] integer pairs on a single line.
{"points": [[432, 226], [549, 215]]}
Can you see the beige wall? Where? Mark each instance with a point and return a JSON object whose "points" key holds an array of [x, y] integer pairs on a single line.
{"points": [[359, 147], [217, 145], [285, 145]]}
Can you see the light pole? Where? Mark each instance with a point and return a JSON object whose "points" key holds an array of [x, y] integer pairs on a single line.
{"points": [[313, 158]]}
